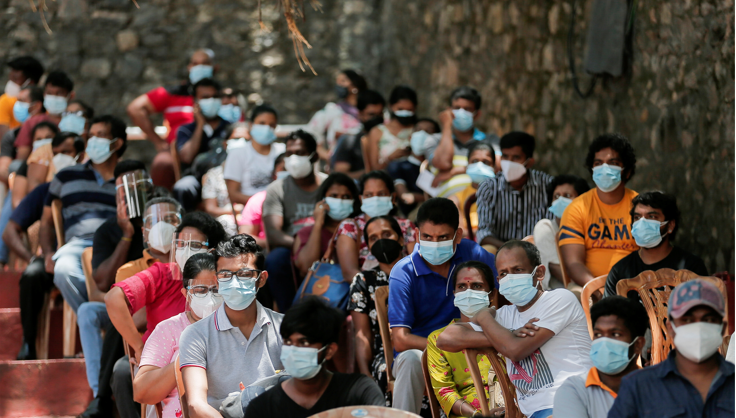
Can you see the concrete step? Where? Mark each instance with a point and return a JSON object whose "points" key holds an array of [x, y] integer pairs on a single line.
{"points": [[9, 282], [43, 388], [11, 336]]}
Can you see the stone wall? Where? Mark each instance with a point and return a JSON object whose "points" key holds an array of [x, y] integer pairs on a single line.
{"points": [[676, 104]]}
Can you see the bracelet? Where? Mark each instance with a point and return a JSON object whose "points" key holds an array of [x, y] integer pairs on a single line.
{"points": [[126, 239]]}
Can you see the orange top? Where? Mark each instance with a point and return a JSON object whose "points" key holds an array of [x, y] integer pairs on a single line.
{"points": [[134, 267], [6, 111], [595, 380]]}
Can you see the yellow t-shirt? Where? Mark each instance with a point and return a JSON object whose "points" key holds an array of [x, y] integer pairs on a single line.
{"points": [[462, 196], [6, 111], [605, 230]]}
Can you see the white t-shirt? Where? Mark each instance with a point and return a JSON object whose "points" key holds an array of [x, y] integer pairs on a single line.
{"points": [[538, 376], [252, 170]]}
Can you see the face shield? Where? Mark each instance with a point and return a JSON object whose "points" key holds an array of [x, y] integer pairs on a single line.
{"points": [[132, 191], [159, 225], [184, 246]]}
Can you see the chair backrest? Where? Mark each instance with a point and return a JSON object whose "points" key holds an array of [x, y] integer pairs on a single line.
{"points": [[434, 404], [177, 162], [529, 239], [58, 222], [466, 212], [180, 388], [654, 288], [471, 358], [508, 390], [94, 293], [565, 274], [364, 151], [586, 297], [384, 329]]}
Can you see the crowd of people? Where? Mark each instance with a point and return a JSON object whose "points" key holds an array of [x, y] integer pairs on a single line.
{"points": [[210, 260]]}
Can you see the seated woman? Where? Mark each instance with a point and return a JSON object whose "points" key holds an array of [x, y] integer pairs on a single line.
{"points": [[378, 199], [155, 381], [406, 172], [481, 162], [251, 220], [449, 372], [43, 135], [391, 141], [560, 192], [337, 200]]}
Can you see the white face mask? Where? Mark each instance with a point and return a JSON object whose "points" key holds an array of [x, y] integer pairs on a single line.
{"points": [[159, 237], [512, 171], [205, 306], [62, 161], [698, 341], [298, 166]]}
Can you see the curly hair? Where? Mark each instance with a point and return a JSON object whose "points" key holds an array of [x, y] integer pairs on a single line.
{"points": [[206, 224], [241, 244], [621, 145]]}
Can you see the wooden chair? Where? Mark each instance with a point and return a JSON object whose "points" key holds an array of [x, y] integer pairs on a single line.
{"points": [[180, 388], [434, 404], [177, 162], [364, 151], [654, 289], [70, 317], [508, 390], [466, 212], [385, 331], [565, 274], [364, 411], [94, 293], [586, 297]]}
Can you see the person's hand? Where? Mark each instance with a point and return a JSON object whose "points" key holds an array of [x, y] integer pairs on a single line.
{"points": [[484, 313], [49, 263], [442, 177], [136, 359], [408, 198], [123, 222], [320, 210], [198, 116], [498, 412], [446, 117], [528, 330], [161, 144], [399, 153]]}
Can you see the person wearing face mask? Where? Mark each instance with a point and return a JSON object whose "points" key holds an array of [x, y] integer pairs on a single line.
{"points": [[28, 103], [378, 199], [239, 343], [348, 154], [595, 230], [76, 118], [481, 162], [310, 332], [155, 381], [406, 172], [248, 168], [24, 71], [695, 380], [537, 364], [655, 220], [251, 219], [619, 325], [391, 140], [230, 110], [425, 275], [510, 204]]}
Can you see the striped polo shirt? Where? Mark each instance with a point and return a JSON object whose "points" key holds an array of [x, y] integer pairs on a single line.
{"points": [[87, 200]]}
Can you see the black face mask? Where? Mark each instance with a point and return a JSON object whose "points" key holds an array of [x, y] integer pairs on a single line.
{"points": [[372, 123], [386, 250], [405, 120], [341, 91]]}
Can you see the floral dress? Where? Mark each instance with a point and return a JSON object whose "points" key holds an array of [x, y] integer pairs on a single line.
{"points": [[354, 229]]}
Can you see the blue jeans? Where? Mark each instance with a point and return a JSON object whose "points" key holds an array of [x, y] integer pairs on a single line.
{"points": [[4, 218], [92, 318], [68, 273], [544, 413], [281, 277]]}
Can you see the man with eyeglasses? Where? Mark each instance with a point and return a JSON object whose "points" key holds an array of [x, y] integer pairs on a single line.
{"points": [[240, 342]]}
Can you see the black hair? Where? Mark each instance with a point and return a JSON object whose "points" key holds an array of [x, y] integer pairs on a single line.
{"points": [[206, 82], [482, 268], [206, 224], [667, 203], [369, 97], [305, 136], [279, 160], [263, 109], [60, 79], [402, 93], [315, 320], [483, 145], [36, 93], [29, 66], [196, 264], [467, 93], [579, 184], [79, 144], [379, 175], [356, 79], [388, 218], [47, 125], [241, 244], [87, 111], [439, 211], [532, 253], [128, 166], [117, 129], [621, 145], [434, 123], [343, 180], [519, 139], [232, 127], [159, 191], [156, 200], [630, 310], [60, 137]]}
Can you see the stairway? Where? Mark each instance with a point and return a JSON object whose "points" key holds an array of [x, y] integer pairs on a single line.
{"points": [[40, 388]]}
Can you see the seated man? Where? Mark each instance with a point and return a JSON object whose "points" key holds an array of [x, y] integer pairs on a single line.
{"points": [[594, 231], [655, 221], [537, 365], [695, 380], [24, 71], [618, 338], [348, 155], [240, 342], [310, 330], [420, 300], [510, 205]]}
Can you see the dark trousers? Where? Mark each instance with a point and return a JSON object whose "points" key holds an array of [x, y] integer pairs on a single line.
{"points": [[122, 388], [35, 283], [281, 277], [112, 351]]}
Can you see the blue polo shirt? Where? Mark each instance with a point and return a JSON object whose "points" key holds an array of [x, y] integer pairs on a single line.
{"points": [[662, 391], [420, 299]]}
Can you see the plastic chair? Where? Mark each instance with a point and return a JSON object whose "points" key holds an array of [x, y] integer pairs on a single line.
{"points": [[70, 317], [529, 239], [434, 404], [471, 358], [565, 274], [364, 411], [508, 391], [94, 293], [586, 297], [180, 388], [385, 331], [466, 212], [654, 289]]}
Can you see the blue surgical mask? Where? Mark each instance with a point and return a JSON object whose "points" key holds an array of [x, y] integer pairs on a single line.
{"points": [[377, 206], [479, 172], [98, 149], [210, 107], [55, 105], [41, 142], [463, 121], [518, 289], [607, 177], [647, 232], [230, 112], [20, 111], [437, 253], [610, 356], [263, 134], [558, 206], [238, 294], [72, 123], [417, 141], [470, 302], [282, 175], [199, 72], [339, 208], [301, 362]]}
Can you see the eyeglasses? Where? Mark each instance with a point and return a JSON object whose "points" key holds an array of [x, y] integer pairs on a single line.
{"points": [[242, 275], [195, 245], [201, 291]]}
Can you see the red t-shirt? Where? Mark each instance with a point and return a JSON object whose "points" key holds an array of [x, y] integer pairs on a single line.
{"points": [[176, 104], [157, 290], [24, 138]]}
